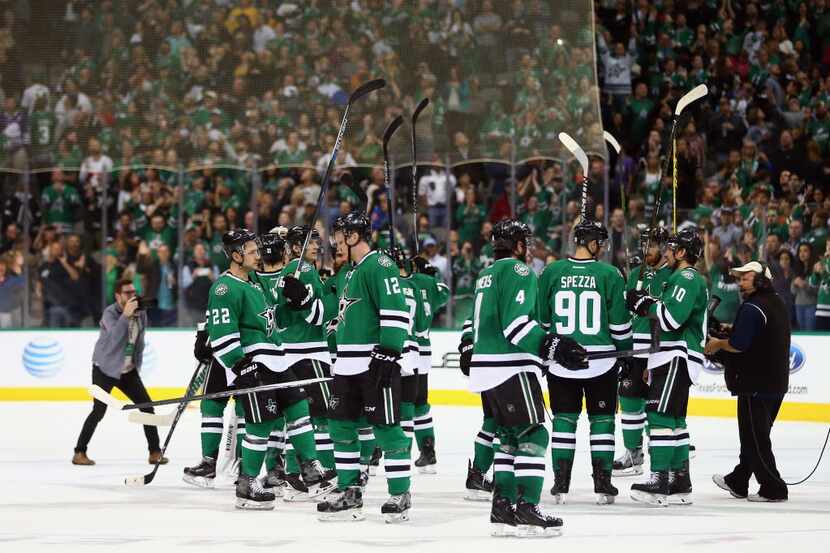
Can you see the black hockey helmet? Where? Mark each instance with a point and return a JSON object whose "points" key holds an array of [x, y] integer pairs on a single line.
{"points": [[656, 235], [358, 222], [272, 247], [339, 224], [687, 239], [235, 240], [508, 233], [587, 230]]}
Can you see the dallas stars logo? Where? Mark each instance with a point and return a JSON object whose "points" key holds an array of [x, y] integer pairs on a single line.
{"points": [[270, 317], [343, 306]]}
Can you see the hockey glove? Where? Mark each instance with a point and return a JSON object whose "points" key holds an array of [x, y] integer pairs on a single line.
{"points": [[247, 374], [424, 266], [385, 364], [564, 351], [201, 348], [638, 301], [465, 348], [297, 296]]}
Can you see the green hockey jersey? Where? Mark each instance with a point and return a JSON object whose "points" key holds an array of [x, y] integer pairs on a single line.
{"points": [[334, 290], [303, 332], [433, 295], [372, 311], [241, 323], [822, 280], [411, 356], [506, 337], [59, 207], [584, 299], [653, 282], [681, 313]]}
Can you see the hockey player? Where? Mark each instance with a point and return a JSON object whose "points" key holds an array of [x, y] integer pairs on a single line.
{"points": [[633, 390], [433, 295], [681, 312], [306, 352], [242, 329], [509, 348], [373, 321], [584, 298]]}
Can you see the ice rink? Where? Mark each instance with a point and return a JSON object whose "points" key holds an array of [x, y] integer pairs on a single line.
{"points": [[50, 505]]}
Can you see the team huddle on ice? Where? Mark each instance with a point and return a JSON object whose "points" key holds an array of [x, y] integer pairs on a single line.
{"points": [[272, 319]]}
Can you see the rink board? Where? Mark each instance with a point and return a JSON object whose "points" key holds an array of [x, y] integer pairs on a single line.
{"points": [[55, 365]]}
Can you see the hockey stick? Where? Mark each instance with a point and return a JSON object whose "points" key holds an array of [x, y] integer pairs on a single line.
{"points": [[617, 148], [393, 126], [98, 393], [577, 151], [138, 481], [361, 91], [415, 114], [617, 354], [229, 461]]}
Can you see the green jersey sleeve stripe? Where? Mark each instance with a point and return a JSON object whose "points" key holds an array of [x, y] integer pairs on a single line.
{"points": [[315, 315], [520, 332], [518, 321], [667, 322]]}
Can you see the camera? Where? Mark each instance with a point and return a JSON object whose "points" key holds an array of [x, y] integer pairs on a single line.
{"points": [[146, 303]]}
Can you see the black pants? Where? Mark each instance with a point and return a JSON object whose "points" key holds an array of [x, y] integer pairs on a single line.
{"points": [[129, 383], [756, 414]]}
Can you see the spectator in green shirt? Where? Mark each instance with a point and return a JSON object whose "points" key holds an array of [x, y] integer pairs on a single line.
{"points": [[469, 216], [159, 232], [59, 203]]}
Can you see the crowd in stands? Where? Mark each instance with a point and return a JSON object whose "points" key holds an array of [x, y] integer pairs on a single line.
{"points": [[162, 123]]}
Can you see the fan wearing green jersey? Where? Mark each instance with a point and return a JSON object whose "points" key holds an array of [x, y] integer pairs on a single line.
{"points": [[370, 454], [633, 390], [821, 278], [509, 351], [60, 203], [681, 313], [373, 323], [241, 325], [584, 298], [433, 295]]}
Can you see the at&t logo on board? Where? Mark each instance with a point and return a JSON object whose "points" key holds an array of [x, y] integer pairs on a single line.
{"points": [[43, 357]]}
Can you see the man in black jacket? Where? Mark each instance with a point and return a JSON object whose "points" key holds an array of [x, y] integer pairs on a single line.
{"points": [[756, 357]]}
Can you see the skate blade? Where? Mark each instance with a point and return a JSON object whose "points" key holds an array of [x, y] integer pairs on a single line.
{"points": [[478, 495], [498, 530], [277, 489], [250, 505], [656, 500], [351, 515], [316, 492], [630, 471], [293, 496], [559, 498], [394, 518], [605, 499], [428, 469], [680, 499], [198, 481], [529, 531]]}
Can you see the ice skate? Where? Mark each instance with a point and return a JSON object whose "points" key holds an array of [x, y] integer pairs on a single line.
{"points": [[531, 522], [363, 478], [680, 486], [561, 480], [342, 505], [396, 508], [374, 462], [250, 495], [274, 481], [201, 475], [316, 481], [606, 492], [479, 487], [654, 491], [629, 463], [426, 462], [502, 517]]}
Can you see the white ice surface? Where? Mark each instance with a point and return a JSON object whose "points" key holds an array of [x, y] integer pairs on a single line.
{"points": [[47, 504]]}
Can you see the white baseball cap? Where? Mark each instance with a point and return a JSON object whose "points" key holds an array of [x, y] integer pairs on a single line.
{"points": [[753, 267]]}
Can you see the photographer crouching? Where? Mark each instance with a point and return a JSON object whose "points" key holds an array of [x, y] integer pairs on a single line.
{"points": [[756, 359], [116, 362]]}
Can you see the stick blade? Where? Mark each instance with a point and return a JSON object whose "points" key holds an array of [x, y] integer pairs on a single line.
{"points": [[393, 126], [366, 88], [422, 105], [151, 419], [111, 401], [611, 140], [138, 481], [576, 150], [693, 95]]}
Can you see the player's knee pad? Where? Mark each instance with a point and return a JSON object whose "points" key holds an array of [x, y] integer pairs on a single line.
{"points": [[212, 407], [296, 411], [391, 438], [294, 426], [533, 440], [489, 425], [680, 422], [259, 429], [601, 419], [421, 409], [566, 418], [343, 432], [320, 424], [659, 420]]}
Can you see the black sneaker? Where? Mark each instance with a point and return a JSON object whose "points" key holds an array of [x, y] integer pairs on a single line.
{"points": [[396, 508], [502, 517], [251, 495], [561, 480], [201, 475], [426, 462], [654, 491], [680, 486], [479, 487], [531, 522], [605, 491], [342, 505]]}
